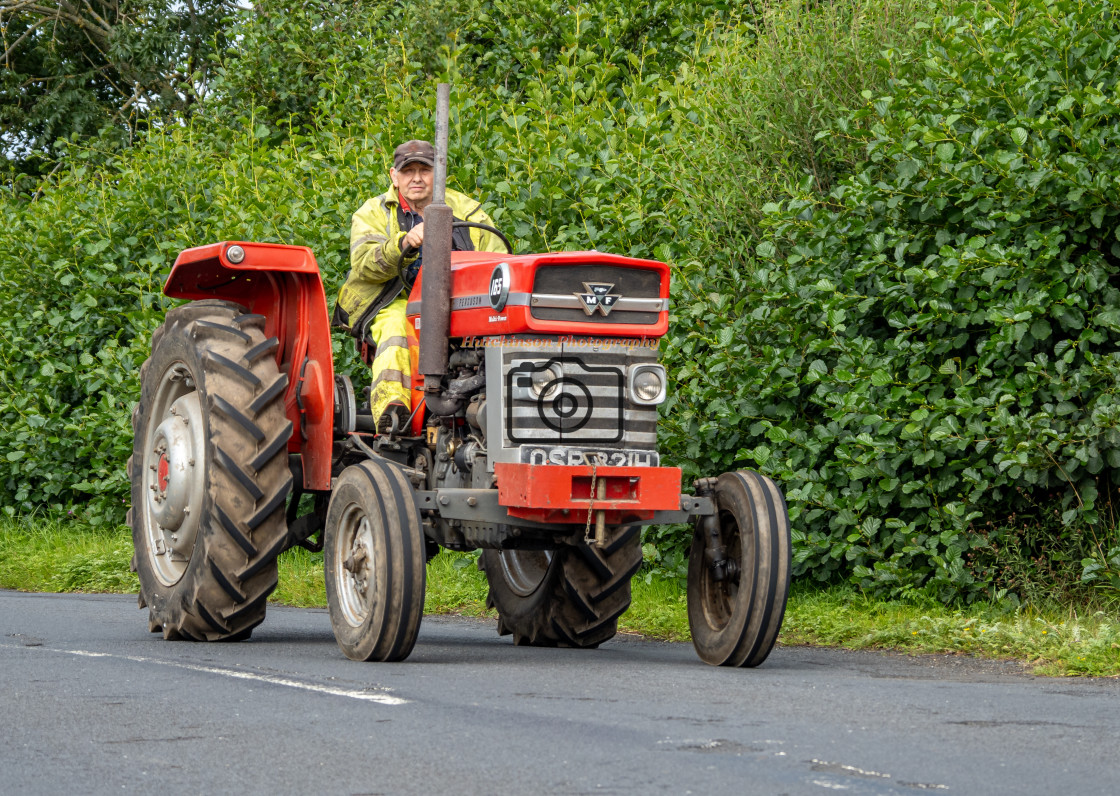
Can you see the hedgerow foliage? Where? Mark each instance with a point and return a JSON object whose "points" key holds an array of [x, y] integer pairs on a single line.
{"points": [[930, 351], [900, 304]]}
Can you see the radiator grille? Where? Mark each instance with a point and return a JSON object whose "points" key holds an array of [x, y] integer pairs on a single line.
{"points": [[570, 281], [585, 401]]}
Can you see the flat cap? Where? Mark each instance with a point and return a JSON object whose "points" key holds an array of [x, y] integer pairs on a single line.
{"points": [[414, 152]]}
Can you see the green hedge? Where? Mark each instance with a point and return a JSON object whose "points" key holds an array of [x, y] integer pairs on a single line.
{"points": [[927, 356]]}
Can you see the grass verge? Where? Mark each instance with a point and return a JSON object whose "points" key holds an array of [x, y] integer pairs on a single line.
{"points": [[57, 555]]}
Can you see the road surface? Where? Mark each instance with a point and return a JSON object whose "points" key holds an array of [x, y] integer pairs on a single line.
{"points": [[93, 703]]}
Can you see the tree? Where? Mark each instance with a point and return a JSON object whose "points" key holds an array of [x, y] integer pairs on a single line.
{"points": [[90, 67]]}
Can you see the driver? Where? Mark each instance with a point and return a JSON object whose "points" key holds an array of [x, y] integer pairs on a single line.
{"points": [[386, 250]]}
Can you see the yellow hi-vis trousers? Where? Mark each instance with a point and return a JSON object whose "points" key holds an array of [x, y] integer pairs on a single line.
{"points": [[392, 371]]}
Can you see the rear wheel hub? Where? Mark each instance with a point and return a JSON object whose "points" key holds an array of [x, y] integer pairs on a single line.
{"points": [[176, 478]]}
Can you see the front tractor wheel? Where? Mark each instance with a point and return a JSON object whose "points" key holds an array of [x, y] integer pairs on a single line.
{"points": [[571, 597], [735, 610], [374, 556], [209, 472]]}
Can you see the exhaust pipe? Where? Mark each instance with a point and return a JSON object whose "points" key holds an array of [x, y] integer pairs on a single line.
{"points": [[435, 296]]}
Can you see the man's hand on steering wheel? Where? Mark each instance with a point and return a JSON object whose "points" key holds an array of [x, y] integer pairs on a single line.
{"points": [[414, 239]]}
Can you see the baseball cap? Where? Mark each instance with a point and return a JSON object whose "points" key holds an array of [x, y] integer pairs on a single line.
{"points": [[414, 152]]}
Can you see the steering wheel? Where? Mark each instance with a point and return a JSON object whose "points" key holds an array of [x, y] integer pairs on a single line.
{"points": [[488, 228], [409, 251]]}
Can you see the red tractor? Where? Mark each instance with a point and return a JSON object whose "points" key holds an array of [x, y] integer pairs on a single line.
{"points": [[533, 437]]}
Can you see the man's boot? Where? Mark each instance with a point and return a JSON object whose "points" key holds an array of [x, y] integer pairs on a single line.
{"points": [[393, 419]]}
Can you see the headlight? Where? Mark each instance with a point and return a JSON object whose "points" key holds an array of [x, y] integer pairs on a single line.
{"points": [[543, 378], [647, 384]]}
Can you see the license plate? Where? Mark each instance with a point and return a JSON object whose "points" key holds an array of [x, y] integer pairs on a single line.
{"points": [[539, 454]]}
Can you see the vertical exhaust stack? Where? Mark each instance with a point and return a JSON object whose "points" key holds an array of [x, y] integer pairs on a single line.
{"points": [[435, 312]]}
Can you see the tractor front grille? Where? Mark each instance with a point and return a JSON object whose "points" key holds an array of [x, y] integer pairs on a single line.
{"points": [[597, 294], [582, 397]]}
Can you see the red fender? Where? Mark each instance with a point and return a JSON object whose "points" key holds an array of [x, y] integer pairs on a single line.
{"points": [[283, 284]]}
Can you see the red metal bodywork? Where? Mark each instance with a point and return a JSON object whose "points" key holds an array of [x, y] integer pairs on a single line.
{"points": [[550, 492], [283, 284], [470, 279], [562, 493]]}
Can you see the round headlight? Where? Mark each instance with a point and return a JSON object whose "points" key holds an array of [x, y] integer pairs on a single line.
{"points": [[541, 379], [648, 385]]}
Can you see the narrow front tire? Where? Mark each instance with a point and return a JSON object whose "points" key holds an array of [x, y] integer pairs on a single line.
{"points": [[735, 621], [374, 555]]}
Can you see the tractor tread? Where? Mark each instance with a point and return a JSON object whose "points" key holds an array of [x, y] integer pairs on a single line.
{"points": [[260, 349], [230, 465], [251, 319], [580, 598], [235, 533], [273, 503], [216, 626], [270, 394], [278, 443], [239, 417], [250, 607], [227, 586], [235, 368], [266, 557], [202, 327]]}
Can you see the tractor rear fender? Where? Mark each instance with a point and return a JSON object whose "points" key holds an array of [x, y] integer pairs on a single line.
{"points": [[283, 284]]}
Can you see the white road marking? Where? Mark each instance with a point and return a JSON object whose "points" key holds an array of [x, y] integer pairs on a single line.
{"points": [[365, 696], [840, 768], [848, 769]]}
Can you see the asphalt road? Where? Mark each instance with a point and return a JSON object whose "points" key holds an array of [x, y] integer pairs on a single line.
{"points": [[91, 703]]}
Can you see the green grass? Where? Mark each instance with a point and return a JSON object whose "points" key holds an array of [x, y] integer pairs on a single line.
{"points": [[1055, 640], [39, 553], [58, 555]]}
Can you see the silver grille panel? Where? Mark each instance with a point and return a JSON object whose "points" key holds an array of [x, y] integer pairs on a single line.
{"points": [[587, 406]]}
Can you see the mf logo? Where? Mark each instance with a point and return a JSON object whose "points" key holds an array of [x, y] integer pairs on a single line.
{"points": [[598, 297]]}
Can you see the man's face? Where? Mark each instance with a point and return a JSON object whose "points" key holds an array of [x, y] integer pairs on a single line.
{"points": [[414, 182]]}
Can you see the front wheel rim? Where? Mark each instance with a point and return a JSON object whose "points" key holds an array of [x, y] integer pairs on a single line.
{"points": [[354, 566]]}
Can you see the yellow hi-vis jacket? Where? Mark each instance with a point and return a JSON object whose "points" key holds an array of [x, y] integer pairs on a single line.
{"points": [[376, 262]]}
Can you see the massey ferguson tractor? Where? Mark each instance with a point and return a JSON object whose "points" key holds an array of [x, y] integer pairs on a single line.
{"points": [[533, 437]]}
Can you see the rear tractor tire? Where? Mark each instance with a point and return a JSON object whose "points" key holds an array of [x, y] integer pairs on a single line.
{"points": [[209, 472], [571, 597], [735, 621], [374, 554]]}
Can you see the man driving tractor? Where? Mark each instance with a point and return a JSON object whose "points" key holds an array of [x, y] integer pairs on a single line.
{"points": [[386, 252]]}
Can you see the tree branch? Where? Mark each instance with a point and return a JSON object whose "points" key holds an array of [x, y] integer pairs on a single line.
{"points": [[100, 20], [31, 29], [61, 11]]}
